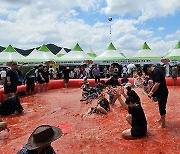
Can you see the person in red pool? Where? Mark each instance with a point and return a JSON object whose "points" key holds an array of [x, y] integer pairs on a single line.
{"points": [[11, 81], [136, 118], [159, 90], [3, 126]]}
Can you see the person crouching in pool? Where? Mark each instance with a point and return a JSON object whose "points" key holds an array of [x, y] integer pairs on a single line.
{"points": [[102, 106], [136, 118], [3, 125]]}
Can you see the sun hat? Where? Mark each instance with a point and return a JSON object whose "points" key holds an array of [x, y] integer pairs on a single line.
{"points": [[43, 135]]}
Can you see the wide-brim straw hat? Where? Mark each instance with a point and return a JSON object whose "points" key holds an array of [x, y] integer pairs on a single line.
{"points": [[43, 135]]}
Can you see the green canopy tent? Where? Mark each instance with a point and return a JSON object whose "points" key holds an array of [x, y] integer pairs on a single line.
{"points": [[41, 55], [91, 53], [76, 55], [111, 55], [10, 54], [145, 55], [174, 53]]}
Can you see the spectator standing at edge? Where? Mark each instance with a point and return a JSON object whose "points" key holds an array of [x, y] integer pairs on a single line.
{"points": [[159, 90], [124, 70], [20, 75], [11, 81], [96, 74], [3, 75], [174, 75], [111, 70], [46, 77], [29, 80], [51, 71], [76, 72], [105, 72], [116, 70], [66, 76], [40, 78]]}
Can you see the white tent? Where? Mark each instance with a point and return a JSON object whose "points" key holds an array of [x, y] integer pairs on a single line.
{"points": [[10, 54], [41, 55], [145, 55], [174, 54], [91, 53], [110, 55], [76, 54], [61, 53]]}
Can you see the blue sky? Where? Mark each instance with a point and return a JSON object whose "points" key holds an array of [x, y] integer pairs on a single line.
{"points": [[30, 23]]}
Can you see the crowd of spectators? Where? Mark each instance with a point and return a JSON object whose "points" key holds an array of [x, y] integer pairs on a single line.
{"points": [[43, 74]]}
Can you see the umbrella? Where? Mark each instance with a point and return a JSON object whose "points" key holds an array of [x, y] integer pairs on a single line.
{"points": [[131, 66]]}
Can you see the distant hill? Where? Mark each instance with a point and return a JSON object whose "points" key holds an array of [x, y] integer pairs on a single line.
{"points": [[24, 52], [1, 48], [52, 47]]}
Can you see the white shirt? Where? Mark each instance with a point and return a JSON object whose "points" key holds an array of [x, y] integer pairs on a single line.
{"points": [[87, 69], [71, 74], [124, 70], [51, 70], [3, 74]]}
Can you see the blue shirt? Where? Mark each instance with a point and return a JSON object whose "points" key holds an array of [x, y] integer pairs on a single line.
{"points": [[46, 150], [96, 72]]}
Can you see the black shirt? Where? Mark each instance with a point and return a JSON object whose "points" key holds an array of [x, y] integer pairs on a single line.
{"points": [[112, 82], [10, 105], [38, 77], [138, 118], [46, 75], [103, 102], [30, 78], [158, 76], [13, 77], [66, 73]]}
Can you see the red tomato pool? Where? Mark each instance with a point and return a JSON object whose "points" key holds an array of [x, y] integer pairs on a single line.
{"points": [[94, 134]]}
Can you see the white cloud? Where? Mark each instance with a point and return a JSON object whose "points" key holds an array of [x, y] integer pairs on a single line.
{"points": [[161, 28], [162, 47], [31, 23], [145, 32], [142, 8], [175, 35]]}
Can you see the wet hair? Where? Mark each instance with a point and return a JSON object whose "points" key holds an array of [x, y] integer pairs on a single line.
{"points": [[130, 100], [129, 88]]}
